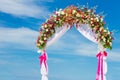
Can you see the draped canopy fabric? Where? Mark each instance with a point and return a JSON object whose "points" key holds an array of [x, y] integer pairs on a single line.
{"points": [[84, 29], [87, 32], [59, 33]]}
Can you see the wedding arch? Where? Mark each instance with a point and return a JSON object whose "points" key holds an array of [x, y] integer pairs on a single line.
{"points": [[87, 22]]}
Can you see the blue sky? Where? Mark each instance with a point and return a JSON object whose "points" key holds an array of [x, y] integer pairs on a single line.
{"points": [[72, 57]]}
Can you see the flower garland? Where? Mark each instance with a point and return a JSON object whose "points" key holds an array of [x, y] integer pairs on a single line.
{"points": [[74, 15]]}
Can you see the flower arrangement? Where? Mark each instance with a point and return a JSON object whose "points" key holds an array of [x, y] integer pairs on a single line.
{"points": [[75, 15]]}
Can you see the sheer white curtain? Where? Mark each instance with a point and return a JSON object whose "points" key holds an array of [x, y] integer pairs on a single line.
{"points": [[59, 32], [87, 32]]}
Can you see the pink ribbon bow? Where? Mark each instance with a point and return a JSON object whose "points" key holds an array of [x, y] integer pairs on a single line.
{"points": [[100, 56], [43, 59]]}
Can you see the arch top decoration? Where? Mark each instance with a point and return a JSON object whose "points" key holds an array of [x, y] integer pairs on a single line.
{"points": [[75, 15], [91, 25]]}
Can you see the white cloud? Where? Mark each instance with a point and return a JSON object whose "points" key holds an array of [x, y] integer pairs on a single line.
{"points": [[21, 38], [23, 8]]}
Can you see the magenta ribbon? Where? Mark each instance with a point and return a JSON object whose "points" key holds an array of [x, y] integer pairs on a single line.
{"points": [[100, 56], [43, 59]]}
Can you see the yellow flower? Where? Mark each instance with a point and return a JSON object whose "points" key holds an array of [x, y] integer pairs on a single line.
{"points": [[78, 15], [41, 41], [105, 30], [110, 44], [38, 44], [97, 19], [101, 28], [104, 39], [91, 18], [74, 11], [62, 12]]}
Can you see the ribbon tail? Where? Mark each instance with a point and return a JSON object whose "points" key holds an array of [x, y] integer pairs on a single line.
{"points": [[98, 69], [43, 66], [45, 61], [102, 67], [44, 78]]}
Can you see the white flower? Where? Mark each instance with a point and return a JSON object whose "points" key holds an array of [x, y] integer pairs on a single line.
{"points": [[45, 38], [97, 19], [46, 30], [105, 30], [62, 12], [108, 32], [45, 26], [88, 10], [54, 15], [101, 19], [44, 34], [59, 12], [110, 44], [42, 27], [40, 41]]}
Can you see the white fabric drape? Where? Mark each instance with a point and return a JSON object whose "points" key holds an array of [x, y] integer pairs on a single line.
{"points": [[44, 72], [59, 32], [87, 32], [104, 68], [43, 69]]}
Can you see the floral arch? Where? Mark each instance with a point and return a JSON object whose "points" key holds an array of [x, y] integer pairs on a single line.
{"points": [[89, 24]]}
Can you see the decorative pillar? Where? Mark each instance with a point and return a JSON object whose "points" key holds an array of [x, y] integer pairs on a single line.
{"points": [[102, 65], [43, 65]]}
